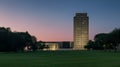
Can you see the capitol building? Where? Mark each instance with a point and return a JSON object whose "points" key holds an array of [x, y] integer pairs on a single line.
{"points": [[81, 35]]}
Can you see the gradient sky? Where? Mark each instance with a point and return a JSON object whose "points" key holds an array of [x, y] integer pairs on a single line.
{"points": [[52, 20]]}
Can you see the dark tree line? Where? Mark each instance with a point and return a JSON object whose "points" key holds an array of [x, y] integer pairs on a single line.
{"points": [[15, 41], [105, 41]]}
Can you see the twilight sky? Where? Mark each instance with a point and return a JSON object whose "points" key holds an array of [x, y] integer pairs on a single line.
{"points": [[52, 20]]}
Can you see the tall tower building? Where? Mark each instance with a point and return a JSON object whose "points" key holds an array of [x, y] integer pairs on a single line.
{"points": [[81, 30]]}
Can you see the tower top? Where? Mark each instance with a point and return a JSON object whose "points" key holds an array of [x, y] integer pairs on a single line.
{"points": [[81, 14]]}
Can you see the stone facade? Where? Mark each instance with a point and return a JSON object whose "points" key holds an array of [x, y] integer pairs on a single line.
{"points": [[81, 30]]}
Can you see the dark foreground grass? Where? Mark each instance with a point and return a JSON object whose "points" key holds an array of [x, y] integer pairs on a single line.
{"points": [[61, 59]]}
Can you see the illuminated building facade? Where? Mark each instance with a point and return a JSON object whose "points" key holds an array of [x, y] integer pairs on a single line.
{"points": [[81, 30], [65, 45]]}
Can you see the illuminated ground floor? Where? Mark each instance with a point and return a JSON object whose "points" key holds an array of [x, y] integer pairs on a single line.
{"points": [[66, 45]]}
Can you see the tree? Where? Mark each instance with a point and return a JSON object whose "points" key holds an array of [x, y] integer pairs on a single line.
{"points": [[4, 36], [108, 40], [41, 45], [103, 40], [15, 41], [34, 43], [115, 38], [90, 45]]}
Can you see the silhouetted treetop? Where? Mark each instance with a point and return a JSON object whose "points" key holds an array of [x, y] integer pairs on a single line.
{"points": [[14, 41]]}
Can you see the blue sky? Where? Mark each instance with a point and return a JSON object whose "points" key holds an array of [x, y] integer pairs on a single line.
{"points": [[52, 20]]}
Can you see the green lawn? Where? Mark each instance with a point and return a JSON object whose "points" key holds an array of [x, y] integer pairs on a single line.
{"points": [[61, 59]]}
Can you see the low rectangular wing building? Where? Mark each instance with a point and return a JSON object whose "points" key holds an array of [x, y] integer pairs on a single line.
{"points": [[58, 45]]}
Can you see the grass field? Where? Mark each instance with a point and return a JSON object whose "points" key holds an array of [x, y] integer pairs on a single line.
{"points": [[61, 59]]}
